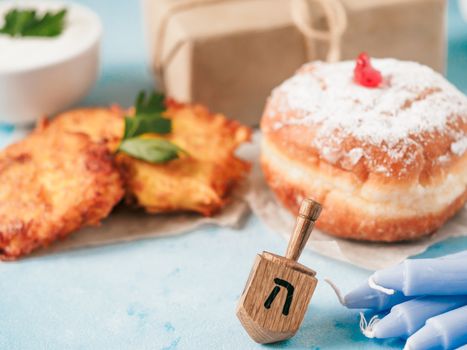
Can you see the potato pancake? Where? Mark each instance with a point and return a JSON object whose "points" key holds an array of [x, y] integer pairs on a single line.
{"points": [[52, 183], [198, 181]]}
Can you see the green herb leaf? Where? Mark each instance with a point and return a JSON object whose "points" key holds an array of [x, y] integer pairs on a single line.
{"points": [[151, 150], [26, 22], [148, 119], [153, 104], [145, 124]]}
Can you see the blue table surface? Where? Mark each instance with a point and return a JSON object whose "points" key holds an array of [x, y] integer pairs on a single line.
{"points": [[171, 293]]}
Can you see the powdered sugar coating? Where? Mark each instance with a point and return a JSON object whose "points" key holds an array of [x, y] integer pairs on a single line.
{"points": [[412, 100], [459, 147]]}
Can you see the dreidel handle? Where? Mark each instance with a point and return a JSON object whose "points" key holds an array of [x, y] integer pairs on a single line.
{"points": [[308, 214]]}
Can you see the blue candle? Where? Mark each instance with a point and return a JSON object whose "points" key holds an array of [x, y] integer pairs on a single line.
{"points": [[414, 277], [408, 317], [364, 297], [455, 255], [446, 331]]}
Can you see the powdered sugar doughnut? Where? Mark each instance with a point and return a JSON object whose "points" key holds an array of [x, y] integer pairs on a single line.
{"points": [[387, 163]]}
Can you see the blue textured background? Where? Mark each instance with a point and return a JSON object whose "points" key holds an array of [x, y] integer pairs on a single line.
{"points": [[170, 293]]}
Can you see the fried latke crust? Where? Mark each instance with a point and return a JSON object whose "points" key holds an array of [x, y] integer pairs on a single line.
{"points": [[198, 182], [102, 125], [51, 184]]}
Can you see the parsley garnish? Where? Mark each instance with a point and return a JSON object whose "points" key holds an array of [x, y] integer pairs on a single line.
{"points": [[139, 125], [26, 22], [153, 104], [148, 116], [148, 119], [150, 150]]}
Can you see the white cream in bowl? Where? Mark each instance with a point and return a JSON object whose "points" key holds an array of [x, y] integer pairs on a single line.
{"points": [[42, 76]]}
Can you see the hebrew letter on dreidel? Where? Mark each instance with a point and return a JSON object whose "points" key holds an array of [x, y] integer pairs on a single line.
{"points": [[276, 290], [279, 289]]}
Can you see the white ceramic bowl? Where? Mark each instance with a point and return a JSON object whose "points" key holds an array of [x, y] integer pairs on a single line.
{"points": [[463, 9], [43, 76]]}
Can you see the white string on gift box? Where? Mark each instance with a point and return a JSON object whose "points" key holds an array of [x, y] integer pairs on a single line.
{"points": [[333, 10], [336, 18]]}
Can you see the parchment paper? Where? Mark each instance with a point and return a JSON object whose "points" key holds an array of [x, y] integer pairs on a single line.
{"points": [[126, 224], [371, 256]]}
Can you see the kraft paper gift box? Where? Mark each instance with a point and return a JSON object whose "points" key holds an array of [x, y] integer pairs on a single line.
{"points": [[229, 54], [405, 29]]}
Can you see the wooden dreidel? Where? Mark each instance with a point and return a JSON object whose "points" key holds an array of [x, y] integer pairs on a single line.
{"points": [[279, 289]]}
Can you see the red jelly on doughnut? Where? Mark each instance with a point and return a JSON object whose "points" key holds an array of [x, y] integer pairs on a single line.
{"points": [[364, 73]]}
